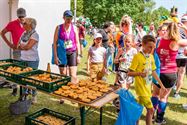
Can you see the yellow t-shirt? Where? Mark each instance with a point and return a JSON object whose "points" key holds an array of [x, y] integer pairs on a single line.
{"points": [[139, 64]]}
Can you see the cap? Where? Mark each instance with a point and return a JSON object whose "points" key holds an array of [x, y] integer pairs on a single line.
{"points": [[97, 35], [21, 12], [184, 19], [68, 13]]}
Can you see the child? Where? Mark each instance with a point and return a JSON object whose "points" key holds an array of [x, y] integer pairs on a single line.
{"points": [[124, 58], [143, 68], [96, 58]]}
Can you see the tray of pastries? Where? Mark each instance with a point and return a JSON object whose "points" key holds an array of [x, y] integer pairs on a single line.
{"points": [[86, 91]]}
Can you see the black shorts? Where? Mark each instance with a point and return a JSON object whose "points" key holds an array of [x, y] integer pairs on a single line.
{"points": [[168, 79], [181, 62], [71, 59]]}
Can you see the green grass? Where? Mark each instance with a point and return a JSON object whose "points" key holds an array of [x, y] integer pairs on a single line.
{"points": [[175, 114]]}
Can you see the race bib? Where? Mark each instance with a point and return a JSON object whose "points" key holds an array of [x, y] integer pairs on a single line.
{"points": [[68, 44]]}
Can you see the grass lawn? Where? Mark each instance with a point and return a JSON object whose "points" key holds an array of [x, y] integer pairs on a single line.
{"points": [[175, 114]]}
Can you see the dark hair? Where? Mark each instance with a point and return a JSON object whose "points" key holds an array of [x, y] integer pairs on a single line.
{"points": [[106, 25], [148, 38], [140, 25]]}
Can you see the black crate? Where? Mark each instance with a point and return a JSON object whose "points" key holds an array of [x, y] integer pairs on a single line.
{"points": [[45, 86], [31, 119], [13, 61], [11, 76]]}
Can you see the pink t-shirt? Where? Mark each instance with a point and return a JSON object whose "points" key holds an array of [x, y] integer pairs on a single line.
{"points": [[16, 30], [167, 57]]}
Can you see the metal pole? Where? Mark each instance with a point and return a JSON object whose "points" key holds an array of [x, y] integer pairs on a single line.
{"points": [[10, 18], [75, 7]]}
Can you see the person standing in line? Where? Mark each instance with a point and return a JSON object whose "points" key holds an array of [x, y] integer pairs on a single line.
{"points": [[181, 58], [16, 29], [69, 34], [82, 32]]}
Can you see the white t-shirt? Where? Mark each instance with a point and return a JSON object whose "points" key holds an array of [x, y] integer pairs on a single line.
{"points": [[31, 54], [128, 56], [97, 54]]}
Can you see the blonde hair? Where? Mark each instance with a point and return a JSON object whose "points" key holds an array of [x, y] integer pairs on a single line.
{"points": [[173, 31], [31, 21], [129, 37]]}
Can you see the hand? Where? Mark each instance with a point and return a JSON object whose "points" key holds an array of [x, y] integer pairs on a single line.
{"points": [[181, 25], [78, 59], [56, 61], [122, 59], [163, 88], [143, 74]]}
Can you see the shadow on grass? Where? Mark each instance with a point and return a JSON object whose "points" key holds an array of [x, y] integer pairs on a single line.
{"points": [[83, 73], [176, 107]]}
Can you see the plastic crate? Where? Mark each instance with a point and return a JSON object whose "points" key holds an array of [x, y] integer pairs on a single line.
{"points": [[32, 119], [42, 85], [11, 76], [13, 61]]}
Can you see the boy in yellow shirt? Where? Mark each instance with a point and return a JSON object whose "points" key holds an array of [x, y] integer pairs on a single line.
{"points": [[143, 68]]}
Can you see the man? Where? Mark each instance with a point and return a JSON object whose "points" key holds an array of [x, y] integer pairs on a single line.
{"points": [[16, 29]]}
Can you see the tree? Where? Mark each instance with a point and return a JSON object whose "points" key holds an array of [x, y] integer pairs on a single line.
{"points": [[79, 10]]}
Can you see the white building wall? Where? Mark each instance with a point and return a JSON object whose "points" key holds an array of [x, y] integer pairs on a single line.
{"points": [[48, 14]]}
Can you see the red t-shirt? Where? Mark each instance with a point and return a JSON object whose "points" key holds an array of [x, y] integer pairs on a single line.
{"points": [[16, 30], [81, 32], [167, 57]]}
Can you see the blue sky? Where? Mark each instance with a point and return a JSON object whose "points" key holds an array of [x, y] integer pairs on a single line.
{"points": [[180, 4]]}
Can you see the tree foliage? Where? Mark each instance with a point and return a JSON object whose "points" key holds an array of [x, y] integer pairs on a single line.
{"points": [[79, 8], [100, 11]]}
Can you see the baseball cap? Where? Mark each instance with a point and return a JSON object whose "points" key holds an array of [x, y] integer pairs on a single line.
{"points": [[97, 35], [68, 13], [184, 19], [21, 12]]}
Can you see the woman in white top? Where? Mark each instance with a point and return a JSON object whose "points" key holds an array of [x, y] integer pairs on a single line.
{"points": [[29, 43], [29, 48]]}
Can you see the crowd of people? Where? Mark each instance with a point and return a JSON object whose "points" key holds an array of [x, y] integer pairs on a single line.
{"points": [[154, 62]]}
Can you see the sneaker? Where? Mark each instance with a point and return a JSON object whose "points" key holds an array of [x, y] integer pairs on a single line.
{"points": [[34, 100], [185, 106], [176, 95], [174, 87], [160, 122]]}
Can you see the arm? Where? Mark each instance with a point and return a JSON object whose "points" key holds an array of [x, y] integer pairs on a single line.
{"points": [[55, 46], [133, 73], [88, 62], [154, 74], [3, 32], [29, 45], [117, 60], [182, 42], [77, 41]]}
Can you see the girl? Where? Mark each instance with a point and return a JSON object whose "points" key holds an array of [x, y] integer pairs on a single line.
{"points": [[167, 52], [96, 58], [124, 58]]}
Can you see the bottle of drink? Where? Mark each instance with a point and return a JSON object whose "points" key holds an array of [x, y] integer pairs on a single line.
{"points": [[48, 67]]}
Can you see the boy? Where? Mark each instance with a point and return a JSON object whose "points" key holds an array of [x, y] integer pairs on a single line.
{"points": [[143, 68]]}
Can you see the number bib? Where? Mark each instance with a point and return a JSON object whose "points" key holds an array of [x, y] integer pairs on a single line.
{"points": [[68, 44]]}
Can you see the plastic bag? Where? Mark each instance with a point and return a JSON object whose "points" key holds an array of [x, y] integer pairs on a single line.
{"points": [[84, 43], [130, 110], [61, 51], [20, 106]]}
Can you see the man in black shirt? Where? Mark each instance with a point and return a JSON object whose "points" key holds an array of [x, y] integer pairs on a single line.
{"points": [[104, 32]]}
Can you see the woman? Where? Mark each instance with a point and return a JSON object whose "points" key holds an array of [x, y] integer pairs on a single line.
{"points": [[167, 52], [69, 34], [29, 47]]}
